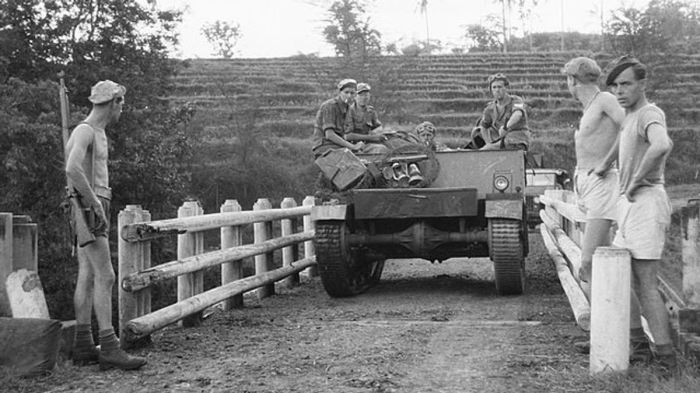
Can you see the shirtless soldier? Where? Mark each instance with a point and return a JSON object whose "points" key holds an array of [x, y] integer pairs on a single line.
{"points": [[86, 167], [597, 194], [596, 135]]}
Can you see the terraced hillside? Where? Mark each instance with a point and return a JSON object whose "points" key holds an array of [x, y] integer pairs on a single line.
{"points": [[279, 98]]}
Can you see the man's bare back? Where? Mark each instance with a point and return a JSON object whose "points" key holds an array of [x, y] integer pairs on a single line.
{"points": [[598, 130]]}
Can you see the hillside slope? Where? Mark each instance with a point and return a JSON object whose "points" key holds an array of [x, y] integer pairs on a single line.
{"points": [[279, 98]]}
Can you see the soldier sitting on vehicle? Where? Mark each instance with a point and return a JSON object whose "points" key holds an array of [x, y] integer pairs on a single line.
{"points": [[329, 130], [426, 133], [362, 120], [504, 121]]}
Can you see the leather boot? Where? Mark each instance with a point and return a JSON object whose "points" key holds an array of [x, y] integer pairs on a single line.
{"points": [[119, 359], [640, 351], [83, 356]]}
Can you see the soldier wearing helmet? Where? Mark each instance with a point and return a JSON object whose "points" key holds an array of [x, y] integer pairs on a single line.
{"points": [[503, 123], [329, 128], [361, 120]]}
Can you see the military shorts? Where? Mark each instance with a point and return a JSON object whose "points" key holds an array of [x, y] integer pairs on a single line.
{"points": [[597, 196], [642, 224], [95, 225]]}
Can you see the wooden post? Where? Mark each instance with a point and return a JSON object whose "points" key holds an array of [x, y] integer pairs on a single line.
{"points": [[610, 310], [5, 261], [689, 318], [575, 230], [187, 246], [144, 262], [130, 259], [312, 271], [24, 244], [231, 271], [262, 262], [291, 253]]}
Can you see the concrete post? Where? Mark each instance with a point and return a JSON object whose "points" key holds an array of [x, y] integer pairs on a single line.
{"points": [[5, 261], [262, 262], [231, 271], [689, 318], [24, 244], [610, 310]]}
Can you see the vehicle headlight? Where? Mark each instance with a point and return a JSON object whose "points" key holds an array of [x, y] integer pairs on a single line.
{"points": [[536, 200], [501, 183]]}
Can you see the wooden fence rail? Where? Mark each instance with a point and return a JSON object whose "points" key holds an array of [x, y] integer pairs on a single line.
{"points": [[562, 230], [137, 276]]}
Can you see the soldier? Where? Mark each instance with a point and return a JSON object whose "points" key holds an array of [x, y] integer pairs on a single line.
{"points": [[644, 210], [426, 133], [504, 121], [361, 120], [596, 194], [329, 129], [86, 168]]}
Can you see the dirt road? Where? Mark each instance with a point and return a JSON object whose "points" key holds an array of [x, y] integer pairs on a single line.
{"points": [[425, 328]]}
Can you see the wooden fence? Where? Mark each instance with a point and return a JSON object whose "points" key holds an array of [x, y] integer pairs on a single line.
{"points": [[562, 232], [137, 276]]}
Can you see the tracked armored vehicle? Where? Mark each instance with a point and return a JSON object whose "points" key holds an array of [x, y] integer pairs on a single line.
{"points": [[466, 203]]}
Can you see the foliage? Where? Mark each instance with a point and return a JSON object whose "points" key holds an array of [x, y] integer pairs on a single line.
{"points": [[666, 26], [547, 42], [223, 36], [349, 30], [121, 40], [483, 38]]}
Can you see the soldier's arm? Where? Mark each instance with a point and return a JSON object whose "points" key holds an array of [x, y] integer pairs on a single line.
{"points": [[516, 116], [659, 145], [613, 109], [77, 146]]}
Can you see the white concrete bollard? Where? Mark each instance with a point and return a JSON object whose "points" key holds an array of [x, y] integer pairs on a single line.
{"points": [[610, 310]]}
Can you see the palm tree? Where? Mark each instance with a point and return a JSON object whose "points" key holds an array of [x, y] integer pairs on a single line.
{"points": [[423, 4]]}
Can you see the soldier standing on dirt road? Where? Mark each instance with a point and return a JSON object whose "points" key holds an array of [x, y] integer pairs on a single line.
{"points": [[506, 116], [596, 194], [86, 168], [329, 128], [361, 120], [644, 210]]}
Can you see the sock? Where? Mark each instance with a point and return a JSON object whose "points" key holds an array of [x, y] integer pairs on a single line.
{"points": [[637, 334], [108, 340], [83, 337]]}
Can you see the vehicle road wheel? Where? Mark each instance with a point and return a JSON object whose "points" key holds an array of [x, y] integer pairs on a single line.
{"points": [[342, 272], [506, 251]]}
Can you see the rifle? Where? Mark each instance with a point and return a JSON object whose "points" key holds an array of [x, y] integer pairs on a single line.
{"points": [[81, 228]]}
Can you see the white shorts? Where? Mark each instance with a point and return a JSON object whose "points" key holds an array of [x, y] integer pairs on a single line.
{"points": [[596, 196], [642, 224]]}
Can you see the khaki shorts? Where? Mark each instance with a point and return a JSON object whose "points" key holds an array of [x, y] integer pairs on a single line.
{"points": [[92, 220], [596, 196], [642, 224]]}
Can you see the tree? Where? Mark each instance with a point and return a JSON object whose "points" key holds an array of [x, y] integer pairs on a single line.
{"points": [[223, 36], [423, 4], [525, 12], [484, 37], [349, 30], [666, 26], [121, 40]]}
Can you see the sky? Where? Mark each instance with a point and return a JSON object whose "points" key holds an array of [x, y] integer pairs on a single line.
{"points": [[281, 28]]}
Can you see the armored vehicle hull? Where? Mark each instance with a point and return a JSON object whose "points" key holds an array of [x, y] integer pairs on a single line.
{"points": [[474, 207]]}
